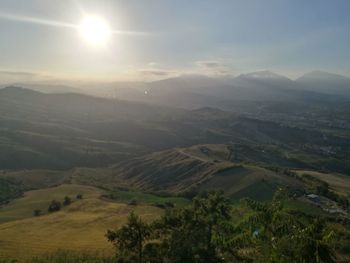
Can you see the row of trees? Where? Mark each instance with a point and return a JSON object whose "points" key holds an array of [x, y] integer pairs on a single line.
{"points": [[210, 231]]}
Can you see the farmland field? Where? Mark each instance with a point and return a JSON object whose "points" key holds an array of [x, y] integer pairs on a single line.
{"points": [[80, 226]]}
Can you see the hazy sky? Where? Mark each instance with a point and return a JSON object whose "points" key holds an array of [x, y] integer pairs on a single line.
{"points": [[175, 36]]}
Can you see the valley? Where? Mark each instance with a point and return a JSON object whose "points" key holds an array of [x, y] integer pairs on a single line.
{"points": [[121, 156]]}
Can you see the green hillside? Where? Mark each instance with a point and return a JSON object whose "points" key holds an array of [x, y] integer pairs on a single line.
{"points": [[188, 171]]}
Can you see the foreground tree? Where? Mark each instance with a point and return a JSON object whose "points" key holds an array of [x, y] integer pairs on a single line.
{"points": [[130, 239], [197, 233], [277, 235], [206, 232]]}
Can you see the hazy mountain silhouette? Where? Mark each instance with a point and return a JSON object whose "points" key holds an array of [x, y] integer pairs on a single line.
{"points": [[196, 91], [325, 82]]}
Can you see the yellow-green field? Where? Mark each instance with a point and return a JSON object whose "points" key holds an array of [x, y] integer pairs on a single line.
{"points": [[338, 182], [79, 226]]}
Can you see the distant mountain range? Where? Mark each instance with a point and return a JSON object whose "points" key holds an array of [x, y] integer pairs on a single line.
{"points": [[195, 91]]}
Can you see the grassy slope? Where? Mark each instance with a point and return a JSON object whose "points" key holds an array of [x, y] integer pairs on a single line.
{"points": [[40, 199], [248, 181], [80, 226]]}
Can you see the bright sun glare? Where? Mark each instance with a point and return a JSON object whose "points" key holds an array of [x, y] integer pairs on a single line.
{"points": [[95, 30]]}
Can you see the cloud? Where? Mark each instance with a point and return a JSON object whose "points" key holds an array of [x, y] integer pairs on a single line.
{"points": [[213, 67], [11, 77], [49, 22], [208, 63], [14, 73], [155, 72], [152, 64]]}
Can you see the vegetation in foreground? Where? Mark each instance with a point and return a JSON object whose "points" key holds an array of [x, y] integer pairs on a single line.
{"points": [[211, 229], [207, 232]]}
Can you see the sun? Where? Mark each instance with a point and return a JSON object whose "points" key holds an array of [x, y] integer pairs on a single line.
{"points": [[95, 30]]}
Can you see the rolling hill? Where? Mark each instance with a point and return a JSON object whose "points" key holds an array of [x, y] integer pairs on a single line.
{"points": [[188, 171]]}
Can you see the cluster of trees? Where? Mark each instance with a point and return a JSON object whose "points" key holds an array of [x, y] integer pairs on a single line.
{"points": [[57, 205], [210, 231]]}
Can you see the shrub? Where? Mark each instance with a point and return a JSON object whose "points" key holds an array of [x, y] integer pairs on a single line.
{"points": [[67, 201], [54, 206], [37, 212], [133, 202]]}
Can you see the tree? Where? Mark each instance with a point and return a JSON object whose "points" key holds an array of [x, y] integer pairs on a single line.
{"points": [[279, 236], [130, 239], [197, 233], [54, 206], [313, 243], [67, 201]]}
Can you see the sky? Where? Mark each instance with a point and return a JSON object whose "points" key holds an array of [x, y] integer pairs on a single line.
{"points": [[161, 38]]}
